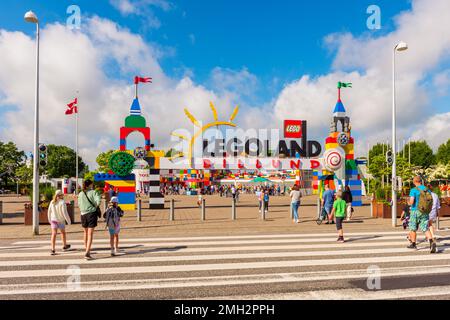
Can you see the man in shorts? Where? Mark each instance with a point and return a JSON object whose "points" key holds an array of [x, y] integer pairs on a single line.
{"points": [[327, 203], [418, 220]]}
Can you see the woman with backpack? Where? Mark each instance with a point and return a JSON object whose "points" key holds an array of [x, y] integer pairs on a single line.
{"points": [[112, 218], [89, 201], [58, 216]]}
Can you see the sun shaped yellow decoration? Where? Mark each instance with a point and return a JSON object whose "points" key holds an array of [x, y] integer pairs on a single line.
{"points": [[202, 129]]}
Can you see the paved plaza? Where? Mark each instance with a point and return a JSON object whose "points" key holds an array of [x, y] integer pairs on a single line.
{"points": [[218, 219]]}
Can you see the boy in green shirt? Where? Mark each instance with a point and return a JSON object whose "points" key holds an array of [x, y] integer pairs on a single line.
{"points": [[338, 211]]}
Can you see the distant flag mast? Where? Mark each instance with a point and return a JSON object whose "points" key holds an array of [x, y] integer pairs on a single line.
{"points": [[140, 79], [72, 108]]}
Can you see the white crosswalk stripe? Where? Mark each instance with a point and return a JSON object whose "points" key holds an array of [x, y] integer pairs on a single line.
{"points": [[225, 261]]}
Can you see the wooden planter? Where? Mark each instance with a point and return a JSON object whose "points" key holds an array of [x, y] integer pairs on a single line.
{"points": [[384, 211], [445, 210], [43, 214]]}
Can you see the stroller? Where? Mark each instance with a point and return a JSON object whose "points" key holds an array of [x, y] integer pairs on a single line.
{"points": [[405, 223], [323, 216]]}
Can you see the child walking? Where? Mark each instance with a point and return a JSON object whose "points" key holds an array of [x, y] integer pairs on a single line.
{"points": [[339, 212], [58, 216], [112, 218]]}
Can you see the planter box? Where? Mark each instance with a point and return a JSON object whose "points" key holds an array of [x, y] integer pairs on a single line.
{"points": [[43, 214], [445, 210], [384, 211]]}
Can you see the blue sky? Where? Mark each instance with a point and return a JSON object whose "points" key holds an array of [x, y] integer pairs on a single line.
{"points": [[275, 40], [276, 59]]}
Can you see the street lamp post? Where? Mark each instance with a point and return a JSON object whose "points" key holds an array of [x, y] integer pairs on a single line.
{"points": [[32, 18], [401, 46]]}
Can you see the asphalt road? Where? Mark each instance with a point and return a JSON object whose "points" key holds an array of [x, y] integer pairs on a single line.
{"points": [[285, 266]]}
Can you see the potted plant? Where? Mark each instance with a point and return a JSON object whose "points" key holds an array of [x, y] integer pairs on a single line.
{"points": [[47, 193]]}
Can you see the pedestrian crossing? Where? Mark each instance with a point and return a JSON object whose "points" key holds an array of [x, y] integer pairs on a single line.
{"points": [[261, 266]]}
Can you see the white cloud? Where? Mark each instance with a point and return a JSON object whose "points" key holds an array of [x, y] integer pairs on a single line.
{"points": [[100, 61], [441, 82], [239, 82], [436, 130], [72, 61], [367, 62], [143, 9]]}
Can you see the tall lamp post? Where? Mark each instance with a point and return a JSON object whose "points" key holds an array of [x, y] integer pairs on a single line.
{"points": [[401, 46], [32, 18]]}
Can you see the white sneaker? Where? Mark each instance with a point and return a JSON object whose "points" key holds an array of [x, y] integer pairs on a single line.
{"points": [[117, 251], [113, 253]]}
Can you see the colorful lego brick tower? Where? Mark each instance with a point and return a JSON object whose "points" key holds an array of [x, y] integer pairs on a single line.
{"points": [[339, 152], [134, 122]]}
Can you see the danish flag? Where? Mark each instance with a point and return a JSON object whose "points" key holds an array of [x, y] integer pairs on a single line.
{"points": [[144, 80], [72, 107]]}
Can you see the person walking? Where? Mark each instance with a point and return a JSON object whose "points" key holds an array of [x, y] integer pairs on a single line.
{"points": [[259, 194], [434, 211], [327, 203], [339, 213], [266, 200], [295, 202], [348, 198], [420, 202], [89, 202], [112, 218], [58, 216]]}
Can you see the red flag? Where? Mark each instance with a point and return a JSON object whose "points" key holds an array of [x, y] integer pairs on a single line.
{"points": [[72, 107], [144, 80]]}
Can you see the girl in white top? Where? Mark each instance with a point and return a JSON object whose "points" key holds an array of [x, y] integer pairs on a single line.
{"points": [[58, 216]]}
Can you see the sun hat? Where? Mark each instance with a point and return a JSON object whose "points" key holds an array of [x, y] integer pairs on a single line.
{"points": [[114, 200]]}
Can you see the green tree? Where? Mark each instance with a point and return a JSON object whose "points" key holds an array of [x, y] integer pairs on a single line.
{"points": [[62, 161], [443, 153], [421, 154], [103, 161], [11, 159], [377, 150], [24, 174]]}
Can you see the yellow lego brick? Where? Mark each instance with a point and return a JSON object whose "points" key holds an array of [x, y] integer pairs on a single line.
{"points": [[331, 146], [121, 183], [128, 207]]}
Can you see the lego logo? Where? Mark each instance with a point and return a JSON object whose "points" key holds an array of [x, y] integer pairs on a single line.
{"points": [[293, 129]]}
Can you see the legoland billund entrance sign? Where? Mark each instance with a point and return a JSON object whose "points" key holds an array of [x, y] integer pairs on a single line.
{"points": [[236, 153]]}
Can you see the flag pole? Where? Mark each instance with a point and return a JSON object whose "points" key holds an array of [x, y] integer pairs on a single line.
{"points": [[76, 147], [135, 88]]}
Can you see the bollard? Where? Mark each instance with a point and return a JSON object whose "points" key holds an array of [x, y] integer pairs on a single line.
{"points": [[233, 209], [172, 210], [72, 203], [371, 209], [319, 209], [1, 212], [437, 223], [263, 211], [203, 217], [105, 205], [138, 210]]}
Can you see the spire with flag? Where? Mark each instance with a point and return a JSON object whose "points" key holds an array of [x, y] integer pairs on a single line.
{"points": [[137, 80], [339, 109]]}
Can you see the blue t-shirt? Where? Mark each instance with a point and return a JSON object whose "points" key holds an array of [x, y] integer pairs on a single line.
{"points": [[416, 194], [328, 199]]}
